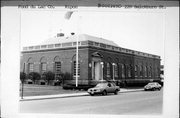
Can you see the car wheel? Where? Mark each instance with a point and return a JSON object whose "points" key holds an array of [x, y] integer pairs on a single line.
{"points": [[91, 94], [154, 89], [116, 92], [104, 92]]}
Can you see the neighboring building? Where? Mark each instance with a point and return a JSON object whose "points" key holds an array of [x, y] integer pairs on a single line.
{"points": [[99, 59]]}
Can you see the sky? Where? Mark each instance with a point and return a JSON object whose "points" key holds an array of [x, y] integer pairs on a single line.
{"points": [[141, 31]]}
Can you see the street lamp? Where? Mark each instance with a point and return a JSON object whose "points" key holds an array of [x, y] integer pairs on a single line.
{"points": [[102, 65], [113, 64]]}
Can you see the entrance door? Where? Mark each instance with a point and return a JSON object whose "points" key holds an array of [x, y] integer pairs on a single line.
{"points": [[97, 70]]}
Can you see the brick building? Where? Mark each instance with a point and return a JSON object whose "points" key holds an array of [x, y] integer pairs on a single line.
{"points": [[99, 59]]}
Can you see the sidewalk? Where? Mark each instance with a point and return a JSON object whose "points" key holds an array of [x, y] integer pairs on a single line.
{"points": [[28, 98]]}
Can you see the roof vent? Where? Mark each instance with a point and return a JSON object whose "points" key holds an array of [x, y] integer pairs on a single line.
{"points": [[60, 34]]}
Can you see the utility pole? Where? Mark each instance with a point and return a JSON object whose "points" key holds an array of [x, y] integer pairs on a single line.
{"points": [[22, 82]]}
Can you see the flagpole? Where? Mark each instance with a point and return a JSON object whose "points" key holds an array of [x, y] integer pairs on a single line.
{"points": [[68, 16], [77, 43]]}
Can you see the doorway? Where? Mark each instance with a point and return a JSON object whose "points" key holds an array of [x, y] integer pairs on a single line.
{"points": [[97, 70]]}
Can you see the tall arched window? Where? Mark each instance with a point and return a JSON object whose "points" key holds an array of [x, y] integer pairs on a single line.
{"points": [[57, 67], [145, 71], [43, 65], [30, 65], [157, 71], [123, 71], [74, 68], [141, 70], [150, 71], [115, 70], [136, 70], [129, 71], [108, 69]]}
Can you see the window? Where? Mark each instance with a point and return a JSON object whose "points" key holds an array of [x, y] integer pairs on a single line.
{"points": [[157, 72], [136, 70], [123, 71], [50, 46], [115, 70], [96, 44], [129, 71], [108, 70], [74, 72], [30, 67], [43, 67], [84, 43], [66, 44], [150, 71], [141, 71], [145, 71], [57, 69], [57, 45], [43, 46]]}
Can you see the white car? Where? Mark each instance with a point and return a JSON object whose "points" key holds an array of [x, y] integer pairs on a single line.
{"points": [[152, 86]]}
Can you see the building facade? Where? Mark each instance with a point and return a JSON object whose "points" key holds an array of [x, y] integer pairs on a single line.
{"points": [[98, 59]]}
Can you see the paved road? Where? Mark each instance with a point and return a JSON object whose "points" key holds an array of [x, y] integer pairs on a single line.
{"points": [[141, 102]]}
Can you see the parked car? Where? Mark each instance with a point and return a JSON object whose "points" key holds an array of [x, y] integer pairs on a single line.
{"points": [[152, 86], [104, 88]]}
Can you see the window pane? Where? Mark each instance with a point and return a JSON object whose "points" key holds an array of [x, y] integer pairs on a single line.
{"points": [[108, 70], [31, 67], [136, 70], [57, 69], [116, 70], [123, 71], [43, 67], [150, 71], [75, 69], [129, 71], [141, 71], [145, 71]]}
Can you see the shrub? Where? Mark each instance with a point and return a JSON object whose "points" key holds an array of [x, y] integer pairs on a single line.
{"points": [[34, 76], [66, 76], [47, 76]]}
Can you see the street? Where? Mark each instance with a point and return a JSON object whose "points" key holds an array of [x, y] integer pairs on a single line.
{"points": [[141, 102]]}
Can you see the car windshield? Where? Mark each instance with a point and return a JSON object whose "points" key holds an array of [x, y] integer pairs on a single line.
{"points": [[151, 84], [101, 85]]}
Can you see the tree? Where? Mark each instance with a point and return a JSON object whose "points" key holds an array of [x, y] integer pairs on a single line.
{"points": [[22, 76], [34, 76], [48, 76]]}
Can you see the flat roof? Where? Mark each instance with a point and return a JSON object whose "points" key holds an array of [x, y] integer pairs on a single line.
{"points": [[84, 40], [72, 38]]}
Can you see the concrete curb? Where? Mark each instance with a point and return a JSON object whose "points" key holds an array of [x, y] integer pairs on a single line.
{"points": [[30, 98], [52, 96], [134, 90]]}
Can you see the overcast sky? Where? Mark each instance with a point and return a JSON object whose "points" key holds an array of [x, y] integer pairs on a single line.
{"points": [[141, 31]]}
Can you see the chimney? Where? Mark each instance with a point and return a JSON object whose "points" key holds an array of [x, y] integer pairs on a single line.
{"points": [[72, 33]]}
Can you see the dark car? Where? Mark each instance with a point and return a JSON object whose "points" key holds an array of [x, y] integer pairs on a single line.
{"points": [[104, 88], [152, 86]]}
